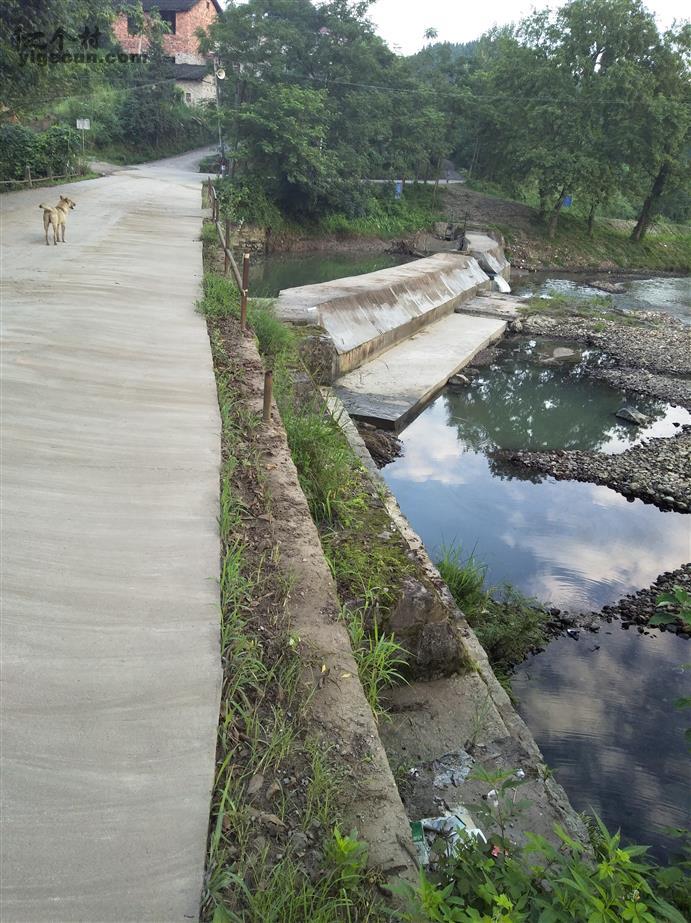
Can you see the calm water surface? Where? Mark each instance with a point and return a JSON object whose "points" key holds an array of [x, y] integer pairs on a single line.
{"points": [[268, 276], [602, 711], [576, 546]]}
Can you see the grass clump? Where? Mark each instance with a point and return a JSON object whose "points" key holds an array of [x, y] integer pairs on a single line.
{"points": [[377, 655], [508, 624]]}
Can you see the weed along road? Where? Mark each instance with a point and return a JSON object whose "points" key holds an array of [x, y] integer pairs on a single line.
{"points": [[110, 633]]}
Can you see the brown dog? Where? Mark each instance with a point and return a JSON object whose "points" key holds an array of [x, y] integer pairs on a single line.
{"points": [[57, 217]]}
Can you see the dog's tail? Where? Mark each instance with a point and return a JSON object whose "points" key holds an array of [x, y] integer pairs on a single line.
{"points": [[45, 207]]}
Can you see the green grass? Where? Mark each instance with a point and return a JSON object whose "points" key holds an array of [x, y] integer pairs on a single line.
{"points": [[378, 656], [666, 247], [599, 308], [350, 520], [261, 727], [508, 625], [387, 217]]}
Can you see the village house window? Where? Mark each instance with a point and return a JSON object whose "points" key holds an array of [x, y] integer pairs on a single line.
{"points": [[169, 17]]}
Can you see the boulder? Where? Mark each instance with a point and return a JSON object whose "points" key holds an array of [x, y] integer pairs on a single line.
{"points": [[613, 288], [439, 651], [423, 625], [631, 415]]}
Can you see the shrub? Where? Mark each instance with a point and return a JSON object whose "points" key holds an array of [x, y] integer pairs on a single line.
{"points": [[55, 150], [537, 883]]}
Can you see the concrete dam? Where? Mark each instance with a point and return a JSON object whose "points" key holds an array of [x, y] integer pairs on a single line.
{"points": [[398, 335]]}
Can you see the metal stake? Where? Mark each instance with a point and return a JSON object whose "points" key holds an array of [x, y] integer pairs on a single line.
{"points": [[268, 387], [245, 287], [226, 252]]}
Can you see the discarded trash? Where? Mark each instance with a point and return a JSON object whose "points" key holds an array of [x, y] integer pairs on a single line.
{"points": [[452, 827], [452, 768]]}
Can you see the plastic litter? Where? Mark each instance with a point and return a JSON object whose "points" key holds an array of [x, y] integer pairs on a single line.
{"points": [[453, 827]]}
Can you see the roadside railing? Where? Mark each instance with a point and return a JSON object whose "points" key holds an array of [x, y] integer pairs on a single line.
{"points": [[229, 263], [32, 181], [242, 282]]}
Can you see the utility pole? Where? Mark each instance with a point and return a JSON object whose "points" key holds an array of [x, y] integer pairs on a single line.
{"points": [[219, 74]]}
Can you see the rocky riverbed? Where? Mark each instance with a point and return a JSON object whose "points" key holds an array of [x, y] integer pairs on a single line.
{"points": [[654, 342], [638, 608], [650, 384], [657, 471]]}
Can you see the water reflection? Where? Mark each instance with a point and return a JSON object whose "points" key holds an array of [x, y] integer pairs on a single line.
{"points": [[526, 402], [271, 274], [576, 546], [602, 711]]}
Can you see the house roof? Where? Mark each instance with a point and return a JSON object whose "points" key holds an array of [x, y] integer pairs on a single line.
{"points": [[191, 71], [175, 6]]}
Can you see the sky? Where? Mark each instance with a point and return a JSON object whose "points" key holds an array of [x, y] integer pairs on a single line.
{"points": [[402, 23]]}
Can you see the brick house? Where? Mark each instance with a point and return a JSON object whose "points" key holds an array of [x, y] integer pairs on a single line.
{"points": [[184, 18]]}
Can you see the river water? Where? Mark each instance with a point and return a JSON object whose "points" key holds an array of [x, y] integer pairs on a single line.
{"points": [[661, 293], [268, 276], [601, 707]]}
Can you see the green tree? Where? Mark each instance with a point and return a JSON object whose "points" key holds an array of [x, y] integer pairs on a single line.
{"points": [[365, 115]]}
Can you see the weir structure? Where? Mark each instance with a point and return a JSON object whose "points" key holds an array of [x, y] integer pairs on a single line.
{"points": [[389, 341], [397, 335]]}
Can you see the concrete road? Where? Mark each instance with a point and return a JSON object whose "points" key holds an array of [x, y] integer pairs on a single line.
{"points": [[110, 610]]}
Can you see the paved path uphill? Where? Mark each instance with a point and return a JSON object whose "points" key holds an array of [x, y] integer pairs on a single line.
{"points": [[110, 631]]}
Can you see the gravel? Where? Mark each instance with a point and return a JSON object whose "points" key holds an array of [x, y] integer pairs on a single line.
{"points": [[657, 343], [657, 471], [638, 608]]}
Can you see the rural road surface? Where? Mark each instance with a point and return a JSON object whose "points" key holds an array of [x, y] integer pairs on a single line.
{"points": [[110, 552]]}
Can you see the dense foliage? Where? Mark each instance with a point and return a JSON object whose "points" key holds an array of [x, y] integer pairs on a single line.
{"points": [[314, 102], [136, 110], [52, 152], [540, 883], [589, 102]]}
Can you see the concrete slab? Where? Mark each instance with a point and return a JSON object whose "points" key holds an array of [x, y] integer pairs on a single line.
{"points": [[391, 389], [110, 631], [491, 304]]}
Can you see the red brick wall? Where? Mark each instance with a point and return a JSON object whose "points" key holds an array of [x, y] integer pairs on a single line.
{"points": [[184, 41]]}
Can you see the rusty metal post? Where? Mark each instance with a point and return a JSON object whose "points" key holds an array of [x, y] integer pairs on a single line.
{"points": [[245, 287], [226, 252], [268, 388]]}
